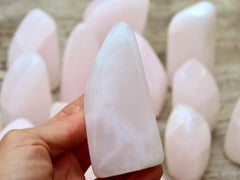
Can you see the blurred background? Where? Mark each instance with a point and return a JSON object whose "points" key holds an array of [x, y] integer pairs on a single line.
{"points": [[68, 13]]}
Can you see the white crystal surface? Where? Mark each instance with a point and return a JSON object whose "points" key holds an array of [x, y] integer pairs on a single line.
{"points": [[122, 131]]}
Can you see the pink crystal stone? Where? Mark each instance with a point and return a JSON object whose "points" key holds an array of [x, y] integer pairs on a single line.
{"points": [[37, 33], [122, 130], [194, 85], [232, 143], [25, 90], [187, 143], [20, 123], [81, 50], [154, 72], [89, 175], [57, 107], [191, 34], [102, 15]]}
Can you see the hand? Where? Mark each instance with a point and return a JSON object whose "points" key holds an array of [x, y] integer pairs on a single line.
{"points": [[57, 150]]}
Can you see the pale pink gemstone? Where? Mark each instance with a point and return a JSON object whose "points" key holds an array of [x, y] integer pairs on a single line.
{"points": [[232, 139], [122, 130], [38, 33], [194, 85], [20, 123], [187, 143], [102, 15], [81, 50], [25, 90], [154, 72], [89, 175], [191, 34], [57, 107]]}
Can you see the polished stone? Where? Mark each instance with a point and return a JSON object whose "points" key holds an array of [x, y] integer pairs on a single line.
{"points": [[122, 130], [191, 34], [38, 33], [102, 15], [20, 123], [25, 90], [57, 107], [154, 72], [81, 50], [89, 175], [194, 85], [187, 144], [232, 139]]}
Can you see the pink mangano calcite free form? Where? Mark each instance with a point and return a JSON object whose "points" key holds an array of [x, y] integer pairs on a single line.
{"points": [[25, 90], [102, 15], [187, 143], [57, 107], [191, 34], [154, 72], [122, 130], [20, 123], [38, 33], [232, 139], [194, 85], [81, 50]]}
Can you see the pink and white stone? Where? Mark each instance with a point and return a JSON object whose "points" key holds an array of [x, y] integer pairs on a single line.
{"points": [[102, 15], [57, 107], [20, 123], [81, 50], [187, 143], [25, 90], [38, 33], [122, 130], [194, 85], [232, 139], [154, 72], [191, 34], [89, 175]]}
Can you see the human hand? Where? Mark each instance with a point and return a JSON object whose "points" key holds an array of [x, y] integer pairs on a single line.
{"points": [[57, 150]]}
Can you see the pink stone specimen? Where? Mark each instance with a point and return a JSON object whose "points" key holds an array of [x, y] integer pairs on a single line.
{"points": [[155, 74], [20, 123], [57, 107], [38, 33], [187, 143], [232, 143], [102, 15], [191, 34], [25, 90], [89, 175], [194, 85], [122, 130], [81, 50]]}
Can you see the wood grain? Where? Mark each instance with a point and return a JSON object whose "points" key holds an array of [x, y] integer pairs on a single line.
{"points": [[69, 13]]}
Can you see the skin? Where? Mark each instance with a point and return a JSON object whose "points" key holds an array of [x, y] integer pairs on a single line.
{"points": [[57, 150]]}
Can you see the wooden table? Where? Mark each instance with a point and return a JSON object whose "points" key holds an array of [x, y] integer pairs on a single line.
{"points": [[68, 13]]}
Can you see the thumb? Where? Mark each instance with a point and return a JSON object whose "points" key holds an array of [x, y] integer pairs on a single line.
{"points": [[64, 131]]}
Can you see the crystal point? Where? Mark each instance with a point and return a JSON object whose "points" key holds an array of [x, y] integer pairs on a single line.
{"points": [[81, 50], [194, 85], [38, 33], [20, 123], [155, 74], [25, 90], [187, 143], [118, 109], [232, 145], [191, 34], [104, 14]]}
